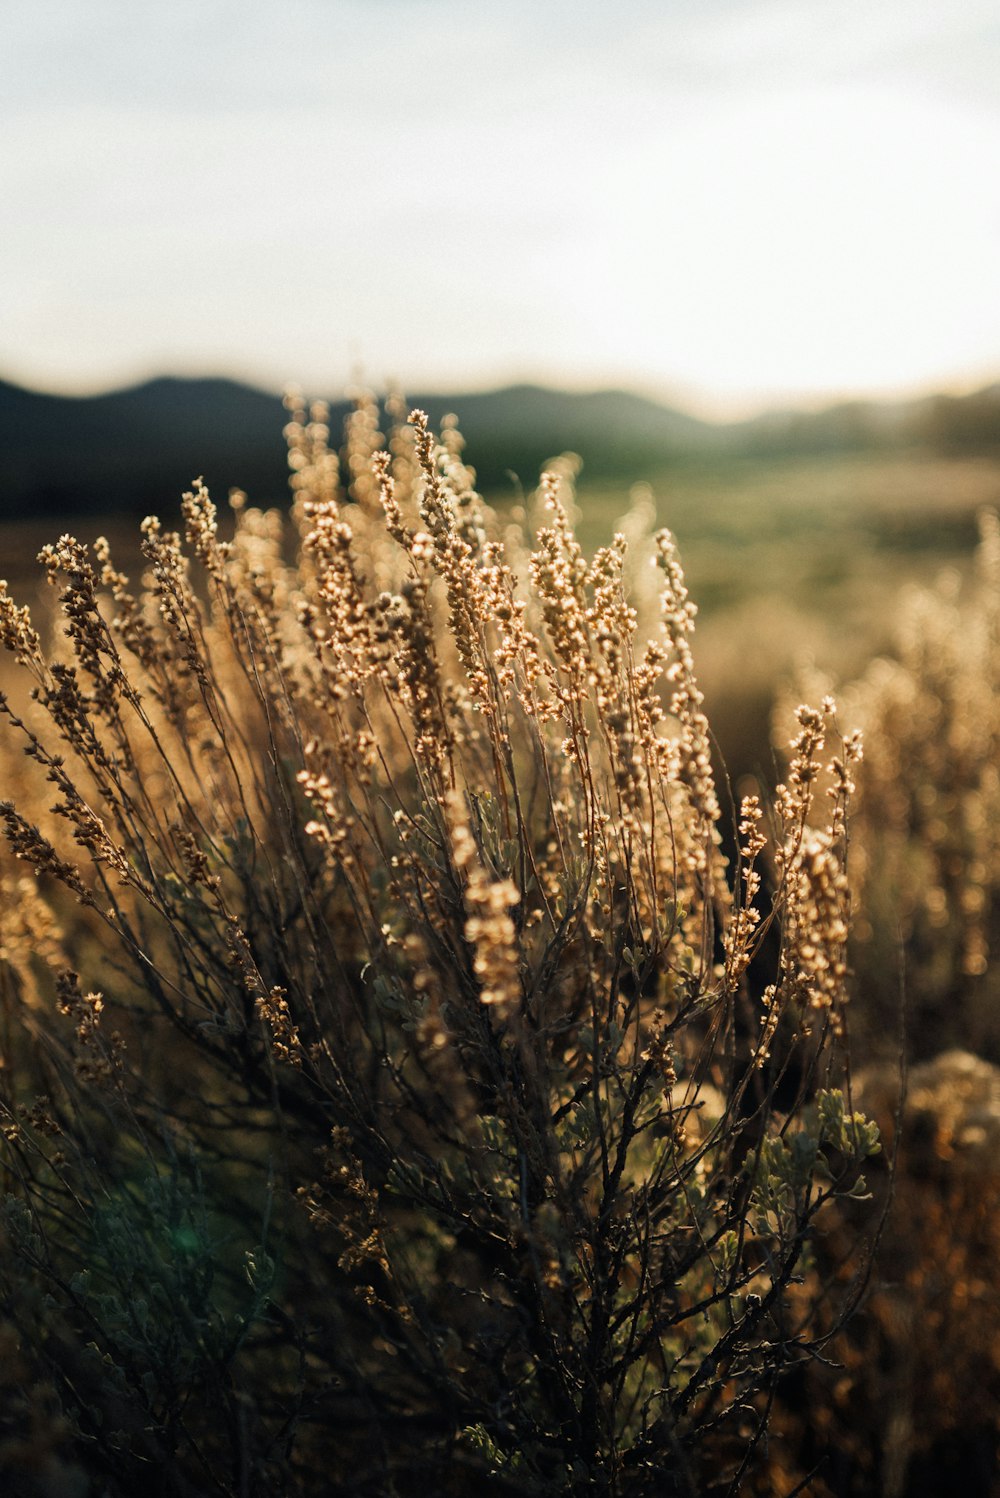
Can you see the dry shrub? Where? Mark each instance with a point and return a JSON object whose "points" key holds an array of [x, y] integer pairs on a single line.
{"points": [[391, 1062], [911, 1408], [926, 833], [914, 1410]]}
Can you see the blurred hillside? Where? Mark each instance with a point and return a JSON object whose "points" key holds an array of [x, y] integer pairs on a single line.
{"points": [[136, 450]]}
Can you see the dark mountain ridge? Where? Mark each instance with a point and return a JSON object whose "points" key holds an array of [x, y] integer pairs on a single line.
{"points": [[135, 450]]}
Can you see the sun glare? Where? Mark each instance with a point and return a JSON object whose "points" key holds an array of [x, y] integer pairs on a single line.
{"points": [[808, 243]]}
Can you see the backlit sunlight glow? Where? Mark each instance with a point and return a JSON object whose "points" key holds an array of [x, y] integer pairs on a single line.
{"points": [[841, 240]]}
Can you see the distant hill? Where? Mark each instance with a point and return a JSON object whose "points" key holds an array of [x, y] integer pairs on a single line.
{"points": [[137, 450], [946, 424]]}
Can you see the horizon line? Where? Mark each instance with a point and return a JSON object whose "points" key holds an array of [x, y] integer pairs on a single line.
{"points": [[712, 410]]}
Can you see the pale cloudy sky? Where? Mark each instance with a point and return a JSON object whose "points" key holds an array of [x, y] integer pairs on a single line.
{"points": [[731, 201]]}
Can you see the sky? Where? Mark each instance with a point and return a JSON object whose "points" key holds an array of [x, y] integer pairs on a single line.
{"points": [[730, 203]]}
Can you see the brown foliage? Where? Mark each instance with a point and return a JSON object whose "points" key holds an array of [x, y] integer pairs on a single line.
{"points": [[391, 1060]]}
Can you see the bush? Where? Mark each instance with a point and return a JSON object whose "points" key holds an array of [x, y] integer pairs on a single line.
{"points": [[915, 1409], [401, 1094], [926, 864]]}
